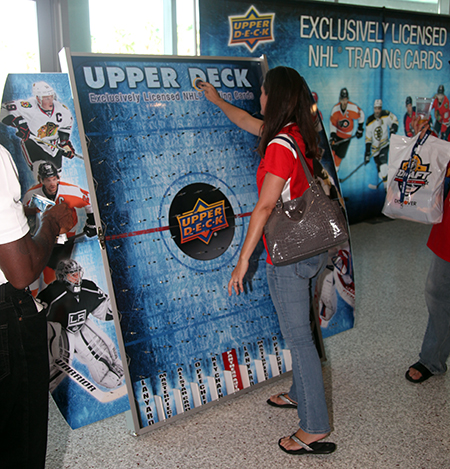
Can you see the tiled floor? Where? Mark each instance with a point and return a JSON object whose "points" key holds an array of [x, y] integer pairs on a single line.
{"points": [[379, 419]]}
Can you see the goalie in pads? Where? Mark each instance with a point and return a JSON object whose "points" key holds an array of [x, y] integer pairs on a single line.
{"points": [[69, 300]]}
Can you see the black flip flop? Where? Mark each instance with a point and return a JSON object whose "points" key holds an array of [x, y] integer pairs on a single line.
{"points": [[426, 373], [282, 396], [317, 447]]}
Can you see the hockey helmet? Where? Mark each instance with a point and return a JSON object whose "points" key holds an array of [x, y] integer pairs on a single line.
{"points": [[315, 96], [47, 170], [441, 89], [408, 100], [65, 272], [41, 89], [378, 103], [343, 94]]}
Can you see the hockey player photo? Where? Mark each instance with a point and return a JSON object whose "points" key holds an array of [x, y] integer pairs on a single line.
{"points": [[441, 114], [52, 188], [69, 302], [342, 118], [379, 127], [409, 117], [336, 281], [43, 124], [316, 100]]}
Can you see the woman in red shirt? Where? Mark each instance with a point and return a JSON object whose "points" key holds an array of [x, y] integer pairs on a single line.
{"points": [[286, 105]]}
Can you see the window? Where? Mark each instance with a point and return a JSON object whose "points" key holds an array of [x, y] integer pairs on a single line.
{"points": [[139, 27], [19, 47], [127, 26], [187, 28]]}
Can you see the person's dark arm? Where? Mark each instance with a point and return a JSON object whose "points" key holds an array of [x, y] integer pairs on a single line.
{"points": [[24, 259]]}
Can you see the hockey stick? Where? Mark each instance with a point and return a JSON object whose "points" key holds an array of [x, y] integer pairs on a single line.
{"points": [[51, 145], [342, 141], [91, 388], [353, 172]]}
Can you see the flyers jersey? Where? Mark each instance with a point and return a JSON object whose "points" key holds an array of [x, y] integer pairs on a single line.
{"points": [[43, 125], [342, 122], [73, 196]]}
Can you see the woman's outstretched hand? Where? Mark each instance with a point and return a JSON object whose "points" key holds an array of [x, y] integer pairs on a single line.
{"points": [[211, 93], [236, 282]]}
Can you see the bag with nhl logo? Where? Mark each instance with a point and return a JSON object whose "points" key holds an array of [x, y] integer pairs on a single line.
{"points": [[417, 169]]}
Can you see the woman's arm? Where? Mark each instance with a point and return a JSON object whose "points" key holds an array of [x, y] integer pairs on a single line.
{"points": [[270, 192], [236, 115]]}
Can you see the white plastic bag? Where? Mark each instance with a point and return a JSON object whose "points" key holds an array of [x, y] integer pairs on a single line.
{"points": [[422, 179]]}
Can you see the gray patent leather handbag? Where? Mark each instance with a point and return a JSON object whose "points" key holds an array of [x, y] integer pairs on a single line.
{"points": [[306, 226]]}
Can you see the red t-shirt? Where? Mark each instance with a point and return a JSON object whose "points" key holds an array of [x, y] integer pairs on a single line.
{"points": [[439, 240], [281, 160]]}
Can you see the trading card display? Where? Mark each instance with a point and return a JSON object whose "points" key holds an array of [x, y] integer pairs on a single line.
{"points": [[175, 185]]}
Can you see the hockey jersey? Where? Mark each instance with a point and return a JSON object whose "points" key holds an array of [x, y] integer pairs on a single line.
{"points": [[407, 123], [44, 127], [71, 310], [73, 196], [442, 112], [377, 130], [341, 122]]}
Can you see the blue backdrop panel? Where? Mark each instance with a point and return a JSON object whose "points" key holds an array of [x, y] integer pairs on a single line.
{"points": [[78, 405], [374, 53], [175, 184]]}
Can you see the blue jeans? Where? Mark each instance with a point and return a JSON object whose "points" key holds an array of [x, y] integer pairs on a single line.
{"points": [[292, 289], [436, 342], [24, 375]]}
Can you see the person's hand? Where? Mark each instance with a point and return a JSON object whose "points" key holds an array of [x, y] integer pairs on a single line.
{"points": [[366, 157], [237, 277], [211, 93], [419, 125], [61, 215]]}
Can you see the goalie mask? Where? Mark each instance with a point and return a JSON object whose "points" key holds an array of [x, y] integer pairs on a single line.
{"points": [[71, 273]]}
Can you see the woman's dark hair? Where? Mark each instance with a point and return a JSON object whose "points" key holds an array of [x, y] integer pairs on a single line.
{"points": [[288, 100]]}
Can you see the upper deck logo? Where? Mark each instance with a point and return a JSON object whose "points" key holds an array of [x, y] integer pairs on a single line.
{"points": [[417, 177], [202, 221], [251, 29]]}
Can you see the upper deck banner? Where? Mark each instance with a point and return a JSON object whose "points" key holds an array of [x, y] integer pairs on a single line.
{"points": [[359, 54]]}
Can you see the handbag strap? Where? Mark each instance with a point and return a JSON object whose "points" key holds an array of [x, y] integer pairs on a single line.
{"points": [[291, 140]]}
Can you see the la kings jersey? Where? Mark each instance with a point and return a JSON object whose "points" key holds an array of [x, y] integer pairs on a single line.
{"points": [[377, 130], [73, 196], [71, 310], [43, 125]]}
